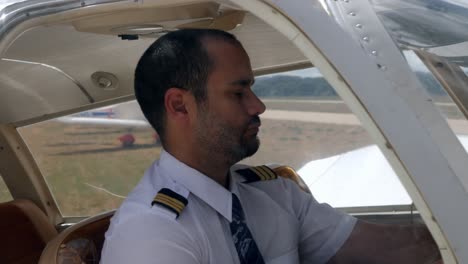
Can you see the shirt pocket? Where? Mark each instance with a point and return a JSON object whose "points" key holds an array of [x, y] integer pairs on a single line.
{"points": [[291, 257]]}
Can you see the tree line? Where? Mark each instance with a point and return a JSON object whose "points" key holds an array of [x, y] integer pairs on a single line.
{"points": [[295, 86]]}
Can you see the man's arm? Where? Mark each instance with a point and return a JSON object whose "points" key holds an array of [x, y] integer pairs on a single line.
{"points": [[378, 243], [147, 238]]}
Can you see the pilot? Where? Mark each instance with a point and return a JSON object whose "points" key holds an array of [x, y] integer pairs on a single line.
{"points": [[197, 205]]}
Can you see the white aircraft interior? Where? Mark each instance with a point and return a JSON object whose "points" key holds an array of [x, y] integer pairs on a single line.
{"points": [[366, 100]]}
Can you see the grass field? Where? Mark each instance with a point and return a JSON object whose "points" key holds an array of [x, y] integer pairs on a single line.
{"points": [[89, 172]]}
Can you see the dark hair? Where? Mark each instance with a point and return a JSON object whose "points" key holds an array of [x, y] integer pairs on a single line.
{"points": [[177, 59]]}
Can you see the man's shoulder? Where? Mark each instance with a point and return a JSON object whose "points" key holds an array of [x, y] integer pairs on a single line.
{"points": [[155, 199], [166, 200], [135, 225], [279, 176], [262, 177], [141, 211], [259, 173], [156, 191]]}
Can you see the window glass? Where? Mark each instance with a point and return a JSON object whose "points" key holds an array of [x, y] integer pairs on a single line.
{"points": [[308, 127], [433, 37], [93, 159], [5, 195], [455, 118], [441, 98]]}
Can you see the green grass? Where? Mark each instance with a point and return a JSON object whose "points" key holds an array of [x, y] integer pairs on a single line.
{"points": [[77, 161], [73, 177]]}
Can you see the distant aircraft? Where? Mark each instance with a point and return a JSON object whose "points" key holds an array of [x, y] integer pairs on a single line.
{"points": [[124, 115]]}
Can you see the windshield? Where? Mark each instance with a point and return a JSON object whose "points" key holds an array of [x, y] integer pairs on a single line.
{"points": [[433, 36], [425, 23], [435, 30], [92, 159]]}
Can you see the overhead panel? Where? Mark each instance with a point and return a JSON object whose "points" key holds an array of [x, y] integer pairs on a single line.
{"points": [[97, 62]]}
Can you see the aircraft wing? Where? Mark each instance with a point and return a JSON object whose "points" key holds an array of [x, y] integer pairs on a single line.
{"points": [[361, 177], [105, 122]]}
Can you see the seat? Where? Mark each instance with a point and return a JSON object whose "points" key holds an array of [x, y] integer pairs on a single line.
{"points": [[25, 231], [80, 243], [289, 173]]}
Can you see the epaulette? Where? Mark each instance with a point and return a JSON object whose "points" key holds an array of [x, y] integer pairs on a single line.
{"points": [[170, 200], [259, 173]]}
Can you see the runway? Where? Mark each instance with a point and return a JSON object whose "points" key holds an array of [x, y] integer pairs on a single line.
{"points": [[459, 126]]}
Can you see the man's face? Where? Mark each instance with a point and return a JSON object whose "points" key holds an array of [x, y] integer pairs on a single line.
{"points": [[228, 122]]}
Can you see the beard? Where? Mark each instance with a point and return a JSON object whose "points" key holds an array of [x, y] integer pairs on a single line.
{"points": [[220, 139]]}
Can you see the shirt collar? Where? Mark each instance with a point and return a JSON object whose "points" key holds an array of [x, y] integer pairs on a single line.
{"points": [[212, 193]]}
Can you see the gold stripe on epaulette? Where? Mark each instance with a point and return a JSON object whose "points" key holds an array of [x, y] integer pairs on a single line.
{"points": [[170, 200], [268, 172], [259, 173], [265, 174]]}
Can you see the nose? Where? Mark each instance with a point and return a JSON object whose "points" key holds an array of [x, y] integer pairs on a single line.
{"points": [[256, 106]]}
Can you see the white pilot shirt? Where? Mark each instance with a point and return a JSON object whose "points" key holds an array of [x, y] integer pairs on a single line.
{"points": [[288, 225]]}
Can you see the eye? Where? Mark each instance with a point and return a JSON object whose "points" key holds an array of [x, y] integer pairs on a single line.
{"points": [[239, 94]]}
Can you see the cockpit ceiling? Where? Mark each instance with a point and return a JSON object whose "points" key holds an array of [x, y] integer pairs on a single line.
{"points": [[56, 68]]}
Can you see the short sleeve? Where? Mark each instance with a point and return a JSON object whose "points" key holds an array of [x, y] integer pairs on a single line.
{"points": [[138, 241], [323, 229]]}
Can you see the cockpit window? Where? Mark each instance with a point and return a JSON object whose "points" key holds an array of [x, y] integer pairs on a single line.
{"points": [[435, 25], [91, 160], [446, 84], [437, 33], [308, 127], [435, 89], [5, 195], [433, 36]]}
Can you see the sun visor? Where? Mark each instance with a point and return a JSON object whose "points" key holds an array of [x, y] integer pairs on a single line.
{"points": [[156, 21]]}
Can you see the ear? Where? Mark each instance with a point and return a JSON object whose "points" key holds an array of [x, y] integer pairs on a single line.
{"points": [[175, 102]]}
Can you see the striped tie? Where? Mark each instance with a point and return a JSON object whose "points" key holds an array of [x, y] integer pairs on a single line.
{"points": [[245, 244]]}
